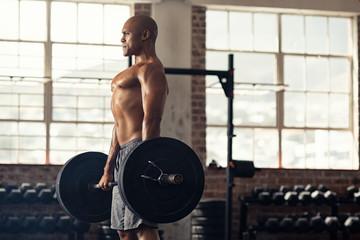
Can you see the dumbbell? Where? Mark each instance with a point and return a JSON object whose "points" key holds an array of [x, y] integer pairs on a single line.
{"points": [[305, 197], [14, 196], [332, 224], [299, 188], [353, 193], [350, 190], [352, 224], [3, 195], [310, 188], [44, 194], [29, 224], [81, 226], [278, 198], [291, 198], [28, 192], [11, 186], [272, 224], [331, 197], [284, 188], [323, 188], [317, 224], [3, 218], [302, 225], [64, 224], [12, 224], [25, 186], [287, 224], [262, 196], [46, 223], [318, 197]]}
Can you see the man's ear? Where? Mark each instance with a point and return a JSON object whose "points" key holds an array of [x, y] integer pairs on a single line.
{"points": [[146, 35]]}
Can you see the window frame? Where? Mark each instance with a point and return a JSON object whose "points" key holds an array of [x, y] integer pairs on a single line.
{"points": [[47, 84], [280, 55]]}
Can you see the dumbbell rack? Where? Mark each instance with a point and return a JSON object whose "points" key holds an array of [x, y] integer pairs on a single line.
{"points": [[249, 232], [28, 209]]}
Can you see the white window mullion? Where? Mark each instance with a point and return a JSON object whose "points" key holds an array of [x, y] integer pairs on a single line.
{"points": [[48, 82]]}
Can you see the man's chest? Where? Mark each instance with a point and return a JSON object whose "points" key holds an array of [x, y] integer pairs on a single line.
{"points": [[127, 79]]}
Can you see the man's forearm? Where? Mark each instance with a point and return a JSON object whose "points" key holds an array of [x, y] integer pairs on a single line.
{"points": [[113, 151], [110, 163]]}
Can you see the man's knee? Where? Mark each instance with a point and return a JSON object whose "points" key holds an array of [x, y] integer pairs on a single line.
{"points": [[126, 235], [146, 232]]}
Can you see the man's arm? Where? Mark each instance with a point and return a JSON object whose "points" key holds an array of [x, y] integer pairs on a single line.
{"points": [[154, 90], [108, 175]]}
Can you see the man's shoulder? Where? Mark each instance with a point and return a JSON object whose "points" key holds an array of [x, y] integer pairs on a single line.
{"points": [[152, 67]]}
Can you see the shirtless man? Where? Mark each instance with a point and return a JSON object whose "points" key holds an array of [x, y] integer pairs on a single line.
{"points": [[137, 103]]}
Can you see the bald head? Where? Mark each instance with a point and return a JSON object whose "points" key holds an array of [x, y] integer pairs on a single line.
{"points": [[142, 23]]}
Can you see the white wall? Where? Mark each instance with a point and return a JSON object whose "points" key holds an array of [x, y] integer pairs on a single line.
{"points": [[174, 49]]}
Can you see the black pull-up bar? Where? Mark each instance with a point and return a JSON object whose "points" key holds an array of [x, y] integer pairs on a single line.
{"points": [[222, 75]]}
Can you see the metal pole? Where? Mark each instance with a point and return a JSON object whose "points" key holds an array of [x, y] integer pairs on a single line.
{"points": [[230, 135]]}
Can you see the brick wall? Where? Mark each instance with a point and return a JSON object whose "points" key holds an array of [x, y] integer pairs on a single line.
{"points": [[198, 98]]}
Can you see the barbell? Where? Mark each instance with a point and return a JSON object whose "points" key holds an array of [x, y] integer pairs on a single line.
{"points": [[161, 180]]}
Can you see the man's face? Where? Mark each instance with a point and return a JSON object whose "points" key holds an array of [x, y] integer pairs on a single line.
{"points": [[131, 39]]}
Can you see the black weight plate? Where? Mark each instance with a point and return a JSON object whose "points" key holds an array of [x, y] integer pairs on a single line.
{"points": [[73, 192], [151, 200]]}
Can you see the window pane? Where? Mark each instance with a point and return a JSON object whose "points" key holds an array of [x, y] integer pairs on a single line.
{"points": [[317, 74], [255, 108], [63, 21], [216, 108], [340, 36], [21, 59], [243, 144], [316, 35], [292, 33], [247, 68], [341, 148], [216, 29], [293, 149], [294, 109], [215, 61], [32, 129], [266, 148], [90, 22], [33, 20], [32, 100], [339, 110], [70, 139], [265, 32], [115, 17], [317, 149], [340, 74], [216, 145], [8, 156], [31, 113], [32, 156], [240, 34], [60, 114], [294, 72], [317, 110], [9, 19]]}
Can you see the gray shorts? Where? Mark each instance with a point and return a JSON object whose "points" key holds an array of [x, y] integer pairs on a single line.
{"points": [[121, 216]]}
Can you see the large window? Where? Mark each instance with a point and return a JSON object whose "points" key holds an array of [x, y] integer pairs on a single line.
{"points": [[294, 101], [56, 62]]}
